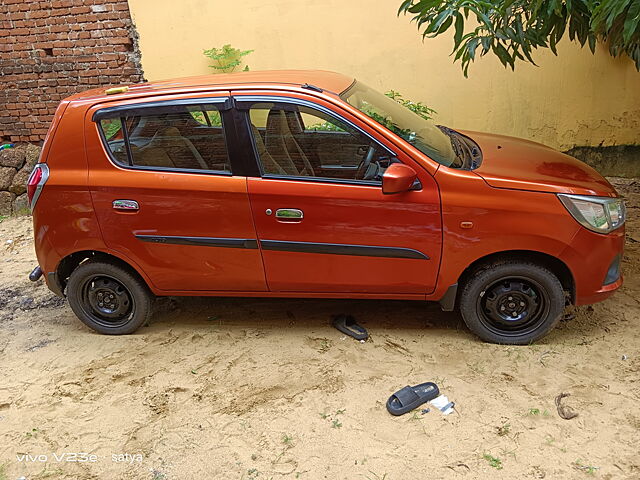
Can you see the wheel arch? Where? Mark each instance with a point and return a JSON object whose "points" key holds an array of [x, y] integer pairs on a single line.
{"points": [[553, 264], [69, 263]]}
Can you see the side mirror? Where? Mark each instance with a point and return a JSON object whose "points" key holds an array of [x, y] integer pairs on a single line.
{"points": [[398, 178]]}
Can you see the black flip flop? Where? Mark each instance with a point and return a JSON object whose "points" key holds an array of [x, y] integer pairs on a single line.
{"points": [[347, 325], [408, 398]]}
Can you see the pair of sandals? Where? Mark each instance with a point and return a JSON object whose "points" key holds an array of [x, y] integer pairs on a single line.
{"points": [[405, 399]]}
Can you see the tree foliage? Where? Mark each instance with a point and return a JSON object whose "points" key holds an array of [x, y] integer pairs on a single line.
{"points": [[227, 58], [512, 29], [418, 108]]}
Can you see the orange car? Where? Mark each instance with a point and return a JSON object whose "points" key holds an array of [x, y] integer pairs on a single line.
{"points": [[311, 184]]}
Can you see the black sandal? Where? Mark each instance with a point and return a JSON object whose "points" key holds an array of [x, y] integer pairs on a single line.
{"points": [[408, 398], [347, 325]]}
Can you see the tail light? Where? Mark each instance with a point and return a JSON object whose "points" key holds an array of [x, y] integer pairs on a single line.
{"points": [[37, 179]]}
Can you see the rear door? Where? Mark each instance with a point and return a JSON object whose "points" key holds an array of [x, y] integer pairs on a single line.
{"points": [[168, 195], [327, 229]]}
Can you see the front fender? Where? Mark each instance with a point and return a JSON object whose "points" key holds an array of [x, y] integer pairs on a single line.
{"points": [[479, 220]]}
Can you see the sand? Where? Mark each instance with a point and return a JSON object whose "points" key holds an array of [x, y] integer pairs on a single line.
{"points": [[266, 388]]}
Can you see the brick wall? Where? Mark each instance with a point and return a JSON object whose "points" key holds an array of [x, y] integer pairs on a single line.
{"points": [[52, 49]]}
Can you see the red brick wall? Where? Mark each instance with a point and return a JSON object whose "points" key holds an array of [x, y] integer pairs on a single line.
{"points": [[52, 49]]}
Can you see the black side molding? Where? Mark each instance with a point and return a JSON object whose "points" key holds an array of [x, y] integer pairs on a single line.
{"points": [[248, 243], [342, 249], [284, 246]]}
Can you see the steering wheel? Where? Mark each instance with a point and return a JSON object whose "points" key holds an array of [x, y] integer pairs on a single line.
{"points": [[366, 161]]}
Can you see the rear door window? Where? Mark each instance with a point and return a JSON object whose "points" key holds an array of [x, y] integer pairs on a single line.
{"points": [[176, 137]]}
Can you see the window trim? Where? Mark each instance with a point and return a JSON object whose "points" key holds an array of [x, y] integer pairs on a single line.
{"points": [[166, 106], [115, 111], [244, 103]]}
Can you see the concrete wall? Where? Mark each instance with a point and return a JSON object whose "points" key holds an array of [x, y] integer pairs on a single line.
{"points": [[573, 99]]}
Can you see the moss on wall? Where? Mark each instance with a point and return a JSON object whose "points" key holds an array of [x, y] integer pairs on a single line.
{"points": [[614, 161]]}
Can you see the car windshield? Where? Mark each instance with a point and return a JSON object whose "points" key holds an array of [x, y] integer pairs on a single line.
{"points": [[419, 132]]}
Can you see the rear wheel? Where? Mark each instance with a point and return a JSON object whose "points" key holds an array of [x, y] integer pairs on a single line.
{"points": [[512, 302], [108, 298]]}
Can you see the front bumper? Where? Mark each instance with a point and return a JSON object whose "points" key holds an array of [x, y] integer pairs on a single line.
{"points": [[605, 292], [590, 257]]}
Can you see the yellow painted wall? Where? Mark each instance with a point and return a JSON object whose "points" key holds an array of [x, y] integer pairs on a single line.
{"points": [[573, 99]]}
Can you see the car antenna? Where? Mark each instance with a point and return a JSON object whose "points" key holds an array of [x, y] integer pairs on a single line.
{"points": [[312, 87]]}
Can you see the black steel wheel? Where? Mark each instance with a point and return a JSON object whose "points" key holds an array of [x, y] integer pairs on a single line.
{"points": [[107, 301], [108, 298], [512, 302]]}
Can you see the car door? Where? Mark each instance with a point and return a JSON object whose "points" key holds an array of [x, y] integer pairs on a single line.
{"points": [[333, 230], [169, 197]]}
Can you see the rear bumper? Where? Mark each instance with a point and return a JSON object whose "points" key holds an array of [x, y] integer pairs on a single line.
{"points": [[589, 257], [53, 282]]}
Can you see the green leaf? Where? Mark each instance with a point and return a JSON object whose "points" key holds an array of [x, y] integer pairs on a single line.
{"points": [[592, 43], [437, 22], [404, 6], [472, 46], [445, 26], [632, 22], [423, 6], [526, 50], [486, 44], [552, 44], [459, 27], [502, 54]]}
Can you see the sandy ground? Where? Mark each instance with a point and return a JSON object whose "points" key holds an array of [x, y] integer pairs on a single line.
{"points": [[259, 389]]}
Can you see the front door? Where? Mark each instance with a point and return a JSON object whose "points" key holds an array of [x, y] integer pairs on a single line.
{"points": [[323, 223], [168, 198]]}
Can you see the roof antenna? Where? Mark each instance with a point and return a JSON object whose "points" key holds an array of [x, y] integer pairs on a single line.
{"points": [[312, 87]]}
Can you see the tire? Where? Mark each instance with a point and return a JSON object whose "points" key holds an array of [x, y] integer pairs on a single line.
{"points": [[512, 302], [108, 299]]}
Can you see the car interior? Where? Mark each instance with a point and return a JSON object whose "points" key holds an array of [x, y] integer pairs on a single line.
{"points": [[297, 141], [289, 141]]}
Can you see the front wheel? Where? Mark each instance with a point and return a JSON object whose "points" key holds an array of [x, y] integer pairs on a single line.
{"points": [[108, 298], [512, 302]]}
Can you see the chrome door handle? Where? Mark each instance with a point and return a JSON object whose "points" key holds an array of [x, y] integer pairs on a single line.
{"points": [[126, 205], [289, 214]]}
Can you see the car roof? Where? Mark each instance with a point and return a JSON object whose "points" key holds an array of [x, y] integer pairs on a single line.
{"points": [[325, 80]]}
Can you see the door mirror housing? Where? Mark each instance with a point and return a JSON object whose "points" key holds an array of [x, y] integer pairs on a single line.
{"points": [[398, 178]]}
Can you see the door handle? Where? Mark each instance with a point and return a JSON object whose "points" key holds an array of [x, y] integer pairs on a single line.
{"points": [[289, 214], [126, 205]]}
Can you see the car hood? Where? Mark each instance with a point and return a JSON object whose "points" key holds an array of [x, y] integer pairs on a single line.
{"points": [[509, 162]]}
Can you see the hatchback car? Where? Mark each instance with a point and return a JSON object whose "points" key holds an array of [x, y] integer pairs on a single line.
{"points": [[311, 184]]}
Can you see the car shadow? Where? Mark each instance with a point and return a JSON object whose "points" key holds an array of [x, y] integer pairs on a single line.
{"points": [[276, 313], [390, 316]]}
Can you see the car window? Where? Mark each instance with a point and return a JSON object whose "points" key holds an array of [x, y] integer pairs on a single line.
{"points": [[305, 142], [176, 137]]}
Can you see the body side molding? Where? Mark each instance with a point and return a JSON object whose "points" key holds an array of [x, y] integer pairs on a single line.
{"points": [[249, 243], [342, 249]]}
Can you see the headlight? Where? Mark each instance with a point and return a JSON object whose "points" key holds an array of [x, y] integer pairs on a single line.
{"points": [[599, 214]]}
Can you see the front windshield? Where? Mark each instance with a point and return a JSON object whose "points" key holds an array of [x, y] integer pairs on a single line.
{"points": [[419, 132]]}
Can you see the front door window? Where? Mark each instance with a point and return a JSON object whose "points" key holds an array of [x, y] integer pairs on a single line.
{"points": [[301, 141]]}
